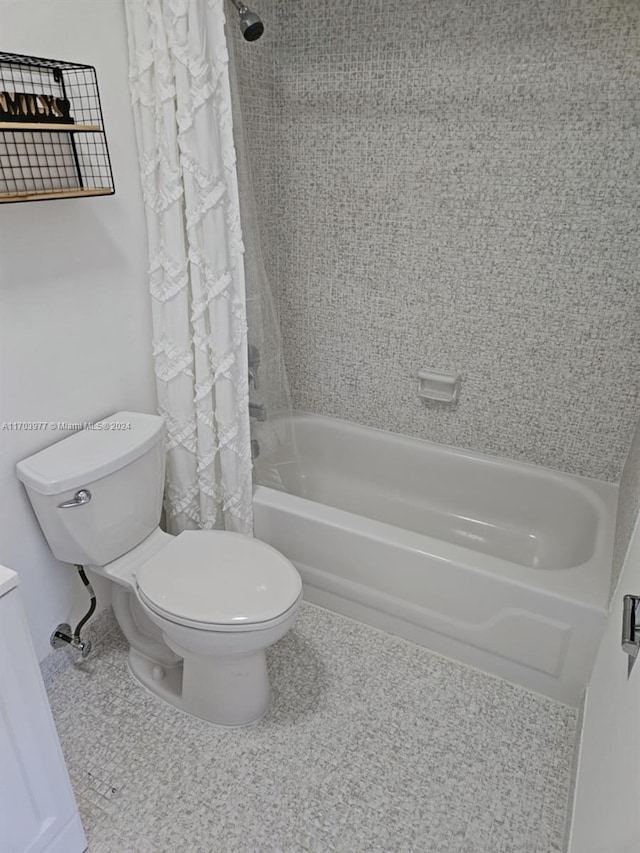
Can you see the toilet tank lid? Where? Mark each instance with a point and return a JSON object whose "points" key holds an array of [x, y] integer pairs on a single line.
{"points": [[91, 453]]}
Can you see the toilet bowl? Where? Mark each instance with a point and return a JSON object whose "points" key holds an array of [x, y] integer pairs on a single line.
{"points": [[220, 600], [198, 609]]}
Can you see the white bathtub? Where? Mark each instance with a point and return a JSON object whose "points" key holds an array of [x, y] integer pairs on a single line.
{"points": [[499, 564]]}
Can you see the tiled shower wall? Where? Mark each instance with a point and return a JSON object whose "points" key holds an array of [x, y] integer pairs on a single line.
{"points": [[454, 184]]}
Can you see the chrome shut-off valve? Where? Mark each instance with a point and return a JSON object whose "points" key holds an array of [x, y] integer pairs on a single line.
{"points": [[63, 636]]}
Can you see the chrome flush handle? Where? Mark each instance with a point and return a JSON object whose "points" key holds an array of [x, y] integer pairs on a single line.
{"points": [[80, 498]]}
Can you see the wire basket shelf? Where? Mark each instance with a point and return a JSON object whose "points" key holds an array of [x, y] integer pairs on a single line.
{"points": [[52, 139]]}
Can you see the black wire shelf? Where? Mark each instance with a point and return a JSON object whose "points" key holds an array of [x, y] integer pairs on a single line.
{"points": [[52, 139]]}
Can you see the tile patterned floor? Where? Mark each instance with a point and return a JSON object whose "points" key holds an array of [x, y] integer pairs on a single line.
{"points": [[371, 744]]}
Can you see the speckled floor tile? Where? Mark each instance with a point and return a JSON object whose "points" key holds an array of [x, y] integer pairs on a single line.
{"points": [[371, 744]]}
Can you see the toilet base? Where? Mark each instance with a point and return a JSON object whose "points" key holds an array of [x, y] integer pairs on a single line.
{"points": [[162, 681], [231, 691], [219, 676]]}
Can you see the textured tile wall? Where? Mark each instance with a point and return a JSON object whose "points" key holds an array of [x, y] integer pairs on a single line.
{"points": [[454, 184]]}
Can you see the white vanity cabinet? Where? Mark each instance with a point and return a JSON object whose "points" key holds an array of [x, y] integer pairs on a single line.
{"points": [[38, 812]]}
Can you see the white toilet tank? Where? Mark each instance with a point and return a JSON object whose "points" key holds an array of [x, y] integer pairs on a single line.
{"points": [[121, 462]]}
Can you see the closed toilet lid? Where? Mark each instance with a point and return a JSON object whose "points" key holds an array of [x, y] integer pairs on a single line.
{"points": [[219, 578]]}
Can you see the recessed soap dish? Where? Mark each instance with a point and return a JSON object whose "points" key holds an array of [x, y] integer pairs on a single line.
{"points": [[438, 386]]}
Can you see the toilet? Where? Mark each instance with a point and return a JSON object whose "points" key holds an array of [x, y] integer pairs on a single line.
{"points": [[198, 609]]}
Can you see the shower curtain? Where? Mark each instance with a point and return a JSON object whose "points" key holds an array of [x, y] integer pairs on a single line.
{"points": [[276, 461], [179, 80]]}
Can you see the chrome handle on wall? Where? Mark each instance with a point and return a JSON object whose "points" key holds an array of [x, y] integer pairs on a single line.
{"points": [[79, 499], [631, 625]]}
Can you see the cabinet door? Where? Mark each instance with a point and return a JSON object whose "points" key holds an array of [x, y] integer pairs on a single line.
{"points": [[37, 808]]}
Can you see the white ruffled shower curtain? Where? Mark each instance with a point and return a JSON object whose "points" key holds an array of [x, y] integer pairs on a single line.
{"points": [[182, 109]]}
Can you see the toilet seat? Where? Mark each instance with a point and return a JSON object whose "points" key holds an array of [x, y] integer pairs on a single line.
{"points": [[219, 581]]}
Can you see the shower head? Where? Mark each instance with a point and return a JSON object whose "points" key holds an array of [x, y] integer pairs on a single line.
{"points": [[250, 23]]}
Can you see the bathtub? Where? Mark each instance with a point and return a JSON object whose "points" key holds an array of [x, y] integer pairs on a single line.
{"points": [[499, 564]]}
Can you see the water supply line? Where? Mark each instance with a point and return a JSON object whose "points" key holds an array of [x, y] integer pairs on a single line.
{"points": [[64, 636]]}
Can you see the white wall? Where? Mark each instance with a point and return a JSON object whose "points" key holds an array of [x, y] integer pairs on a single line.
{"points": [[606, 815], [75, 336]]}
